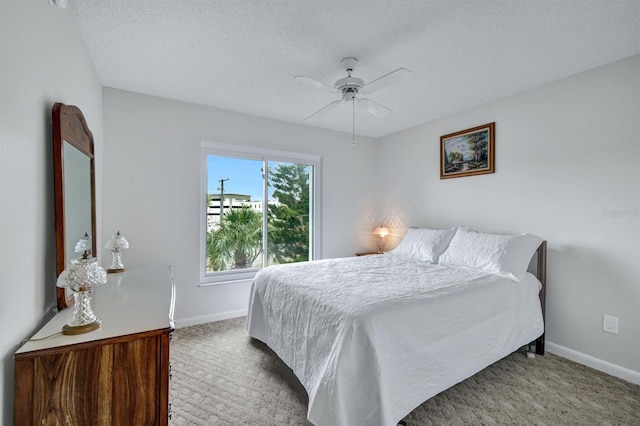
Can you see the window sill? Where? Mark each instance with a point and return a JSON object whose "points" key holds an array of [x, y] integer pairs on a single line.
{"points": [[225, 282], [228, 277]]}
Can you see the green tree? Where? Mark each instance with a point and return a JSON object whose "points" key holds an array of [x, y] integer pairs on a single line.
{"points": [[237, 242], [478, 145], [455, 156], [289, 221], [474, 149]]}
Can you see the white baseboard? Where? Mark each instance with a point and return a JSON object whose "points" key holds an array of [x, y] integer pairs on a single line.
{"points": [[186, 322], [598, 364]]}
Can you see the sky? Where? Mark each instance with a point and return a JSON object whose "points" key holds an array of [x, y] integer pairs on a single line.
{"points": [[240, 176], [458, 144], [245, 176]]}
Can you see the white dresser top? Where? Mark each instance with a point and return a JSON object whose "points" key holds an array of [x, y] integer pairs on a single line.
{"points": [[135, 301]]}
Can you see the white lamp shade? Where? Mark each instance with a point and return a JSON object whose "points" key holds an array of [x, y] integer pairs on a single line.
{"points": [[117, 242], [83, 244], [81, 274]]}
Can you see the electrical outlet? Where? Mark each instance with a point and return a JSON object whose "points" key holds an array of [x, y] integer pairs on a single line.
{"points": [[610, 324]]}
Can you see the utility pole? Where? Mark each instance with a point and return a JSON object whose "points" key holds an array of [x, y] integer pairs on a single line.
{"points": [[222, 181]]}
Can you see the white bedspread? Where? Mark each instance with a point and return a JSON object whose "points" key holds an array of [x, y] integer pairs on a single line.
{"points": [[372, 337]]}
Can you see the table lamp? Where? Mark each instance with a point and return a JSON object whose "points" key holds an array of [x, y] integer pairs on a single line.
{"points": [[80, 277], [381, 232], [116, 243]]}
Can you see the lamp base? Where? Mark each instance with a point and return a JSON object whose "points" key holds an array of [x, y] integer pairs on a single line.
{"points": [[116, 265], [80, 329]]}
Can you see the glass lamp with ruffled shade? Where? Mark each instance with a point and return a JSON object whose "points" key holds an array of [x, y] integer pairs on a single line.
{"points": [[116, 244], [81, 276]]}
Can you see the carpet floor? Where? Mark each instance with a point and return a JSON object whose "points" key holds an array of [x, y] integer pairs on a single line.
{"points": [[220, 376]]}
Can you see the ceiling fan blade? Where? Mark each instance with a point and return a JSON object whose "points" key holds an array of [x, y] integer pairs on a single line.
{"points": [[387, 80], [315, 83], [323, 111], [374, 107]]}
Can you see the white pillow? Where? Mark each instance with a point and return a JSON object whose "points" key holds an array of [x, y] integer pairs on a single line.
{"points": [[505, 255], [425, 244]]}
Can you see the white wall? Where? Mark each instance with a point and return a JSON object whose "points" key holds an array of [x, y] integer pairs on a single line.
{"points": [[566, 160], [152, 188], [43, 60]]}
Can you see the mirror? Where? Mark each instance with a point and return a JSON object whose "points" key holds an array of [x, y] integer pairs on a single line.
{"points": [[74, 188]]}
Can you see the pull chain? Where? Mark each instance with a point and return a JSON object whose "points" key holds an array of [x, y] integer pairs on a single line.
{"points": [[353, 130]]}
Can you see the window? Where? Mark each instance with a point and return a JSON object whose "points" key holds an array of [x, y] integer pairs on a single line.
{"points": [[259, 208]]}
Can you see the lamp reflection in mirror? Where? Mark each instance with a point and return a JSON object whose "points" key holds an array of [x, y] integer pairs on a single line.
{"points": [[83, 244], [116, 243], [381, 232], [80, 277]]}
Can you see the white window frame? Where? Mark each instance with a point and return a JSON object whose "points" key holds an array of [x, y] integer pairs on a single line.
{"points": [[259, 154]]}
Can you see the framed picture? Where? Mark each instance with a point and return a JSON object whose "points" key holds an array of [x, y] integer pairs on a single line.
{"points": [[468, 152]]}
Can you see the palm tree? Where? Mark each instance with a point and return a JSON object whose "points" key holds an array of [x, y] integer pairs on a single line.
{"points": [[216, 258], [237, 241]]}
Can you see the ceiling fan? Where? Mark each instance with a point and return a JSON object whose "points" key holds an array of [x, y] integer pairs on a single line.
{"points": [[350, 88]]}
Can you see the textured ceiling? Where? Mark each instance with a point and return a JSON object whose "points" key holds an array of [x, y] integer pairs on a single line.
{"points": [[242, 55]]}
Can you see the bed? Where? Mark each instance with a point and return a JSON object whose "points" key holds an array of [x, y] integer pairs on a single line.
{"points": [[372, 337]]}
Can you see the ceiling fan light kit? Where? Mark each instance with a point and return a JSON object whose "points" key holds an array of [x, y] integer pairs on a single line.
{"points": [[351, 87]]}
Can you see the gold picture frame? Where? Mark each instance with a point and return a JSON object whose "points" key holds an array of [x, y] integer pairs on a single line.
{"points": [[468, 152]]}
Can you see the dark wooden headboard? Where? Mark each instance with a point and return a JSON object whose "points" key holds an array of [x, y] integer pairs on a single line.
{"points": [[541, 273]]}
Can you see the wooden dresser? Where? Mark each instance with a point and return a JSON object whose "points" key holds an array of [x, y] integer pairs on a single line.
{"points": [[116, 375]]}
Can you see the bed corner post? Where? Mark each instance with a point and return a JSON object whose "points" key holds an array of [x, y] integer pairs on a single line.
{"points": [[542, 276]]}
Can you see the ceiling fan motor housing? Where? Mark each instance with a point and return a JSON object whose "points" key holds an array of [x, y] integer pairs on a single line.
{"points": [[349, 86], [349, 82]]}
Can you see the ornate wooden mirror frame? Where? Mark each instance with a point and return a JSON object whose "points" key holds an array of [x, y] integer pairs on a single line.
{"points": [[74, 187]]}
